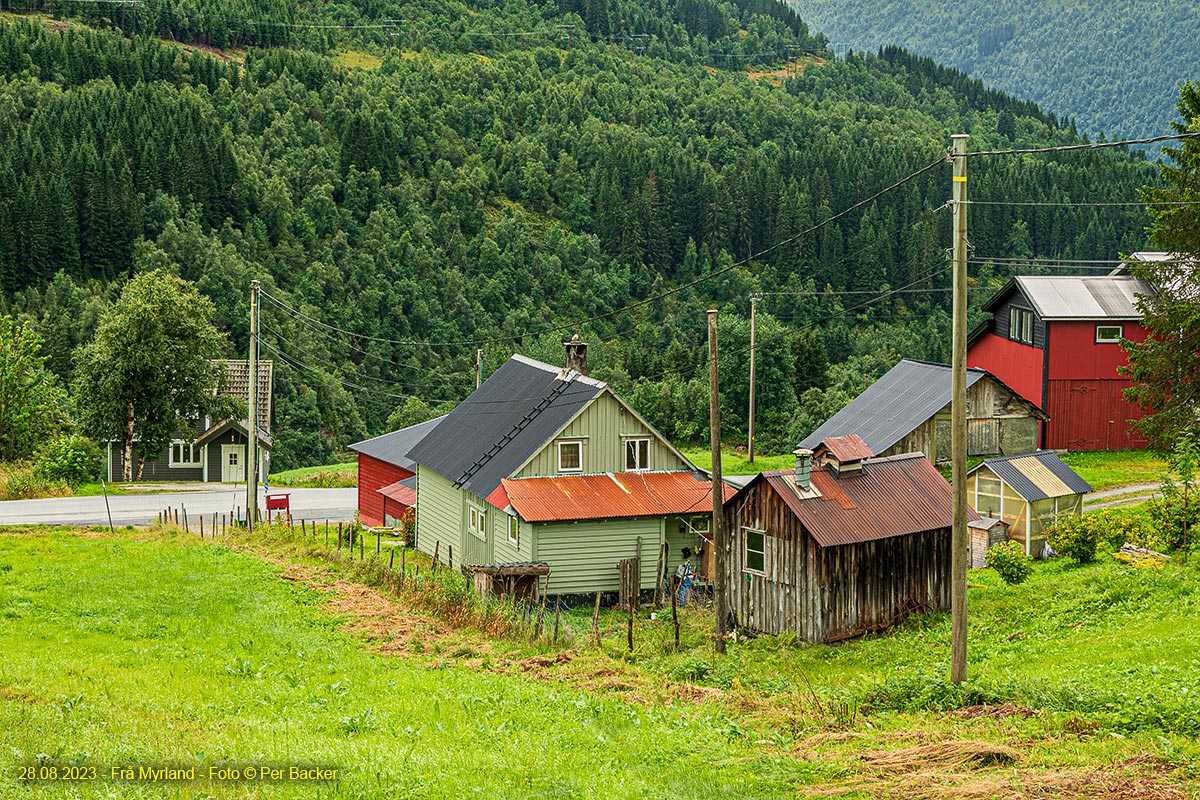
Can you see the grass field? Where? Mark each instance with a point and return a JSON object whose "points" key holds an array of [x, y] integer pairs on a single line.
{"points": [[153, 648], [326, 476], [1106, 469], [735, 463]]}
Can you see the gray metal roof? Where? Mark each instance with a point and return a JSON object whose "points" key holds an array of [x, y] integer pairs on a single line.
{"points": [[893, 406], [393, 447], [1083, 297], [1036, 476], [505, 421]]}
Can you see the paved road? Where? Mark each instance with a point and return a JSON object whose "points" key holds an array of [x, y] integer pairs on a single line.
{"points": [[142, 509]]}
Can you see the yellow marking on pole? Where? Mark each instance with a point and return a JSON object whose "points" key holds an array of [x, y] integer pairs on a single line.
{"points": [[960, 178]]}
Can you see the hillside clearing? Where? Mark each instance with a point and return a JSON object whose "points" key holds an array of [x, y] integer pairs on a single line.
{"points": [[155, 648]]}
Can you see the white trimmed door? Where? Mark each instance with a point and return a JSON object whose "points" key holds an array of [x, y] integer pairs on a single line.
{"points": [[233, 463]]}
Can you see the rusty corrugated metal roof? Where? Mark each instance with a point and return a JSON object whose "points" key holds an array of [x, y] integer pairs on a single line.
{"points": [[402, 494], [892, 496], [610, 495], [849, 447]]}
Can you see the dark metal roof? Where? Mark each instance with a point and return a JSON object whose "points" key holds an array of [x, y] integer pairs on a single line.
{"points": [[505, 421], [1036, 476], [893, 496], [393, 447], [893, 406]]}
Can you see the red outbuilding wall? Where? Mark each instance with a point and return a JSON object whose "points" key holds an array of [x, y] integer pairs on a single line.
{"points": [[1087, 408], [1017, 365], [373, 475]]}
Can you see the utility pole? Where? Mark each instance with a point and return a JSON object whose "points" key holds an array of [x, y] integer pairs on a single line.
{"points": [[718, 496], [960, 540], [478, 367], [252, 416], [754, 298]]}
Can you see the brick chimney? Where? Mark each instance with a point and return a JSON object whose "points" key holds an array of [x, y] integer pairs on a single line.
{"points": [[576, 355]]}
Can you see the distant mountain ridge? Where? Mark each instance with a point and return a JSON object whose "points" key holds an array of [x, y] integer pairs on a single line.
{"points": [[1113, 66]]}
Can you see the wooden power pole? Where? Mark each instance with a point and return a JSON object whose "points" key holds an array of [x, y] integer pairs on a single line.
{"points": [[753, 373], [252, 415], [720, 598], [960, 538]]}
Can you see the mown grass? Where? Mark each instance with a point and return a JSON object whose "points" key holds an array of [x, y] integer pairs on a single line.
{"points": [[1105, 469], [325, 476], [128, 651], [159, 647], [733, 463], [357, 59]]}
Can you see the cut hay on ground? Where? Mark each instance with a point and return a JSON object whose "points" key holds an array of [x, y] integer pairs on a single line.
{"points": [[943, 755]]}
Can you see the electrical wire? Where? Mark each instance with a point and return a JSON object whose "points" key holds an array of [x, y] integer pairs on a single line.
{"points": [[1068, 204], [1089, 146]]}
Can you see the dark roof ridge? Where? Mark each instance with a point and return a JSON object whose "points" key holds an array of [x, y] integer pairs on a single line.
{"points": [[563, 373], [940, 364], [894, 457]]}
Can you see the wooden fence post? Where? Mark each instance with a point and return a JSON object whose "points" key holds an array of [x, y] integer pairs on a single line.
{"points": [[658, 568], [596, 621], [675, 608]]}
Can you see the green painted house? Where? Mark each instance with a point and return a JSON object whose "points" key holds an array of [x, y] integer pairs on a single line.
{"points": [[543, 464]]}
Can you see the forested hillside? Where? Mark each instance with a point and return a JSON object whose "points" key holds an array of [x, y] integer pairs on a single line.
{"points": [[464, 194], [1113, 66]]}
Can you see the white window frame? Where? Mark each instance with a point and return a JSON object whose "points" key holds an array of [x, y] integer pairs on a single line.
{"points": [[1120, 329], [191, 449], [572, 443], [1018, 331], [746, 551], [640, 451], [514, 531], [477, 521]]}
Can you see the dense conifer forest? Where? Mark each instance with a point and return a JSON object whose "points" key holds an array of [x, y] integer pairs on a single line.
{"points": [[1114, 66], [425, 192]]}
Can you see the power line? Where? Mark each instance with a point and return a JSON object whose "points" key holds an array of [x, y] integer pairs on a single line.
{"points": [[630, 307], [1089, 146], [1068, 204]]}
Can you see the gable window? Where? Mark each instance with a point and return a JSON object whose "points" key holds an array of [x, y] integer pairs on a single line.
{"points": [[1020, 325], [755, 560], [477, 522], [514, 531], [570, 456], [637, 454], [184, 454], [1108, 334]]}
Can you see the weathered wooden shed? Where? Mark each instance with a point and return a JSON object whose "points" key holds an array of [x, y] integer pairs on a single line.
{"points": [[843, 545], [908, 410], [1027, 491]]}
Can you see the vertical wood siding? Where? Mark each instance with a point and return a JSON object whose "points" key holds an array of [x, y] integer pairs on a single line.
{"points": [[440, 511], [601, 427], [373, 475], [824, 593], [583, 556]]}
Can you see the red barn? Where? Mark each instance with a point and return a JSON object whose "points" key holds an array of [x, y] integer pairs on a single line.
{"points": [[1057, 338], [386, 476]]}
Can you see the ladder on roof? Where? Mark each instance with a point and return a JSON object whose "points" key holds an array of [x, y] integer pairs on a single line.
{"points": [[512, 434]]}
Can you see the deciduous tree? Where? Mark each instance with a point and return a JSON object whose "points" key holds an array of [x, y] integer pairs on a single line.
{"points": [[149, 367], [32, 404]]}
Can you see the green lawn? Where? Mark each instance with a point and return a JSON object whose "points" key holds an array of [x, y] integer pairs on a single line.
{"points": [[735, 463], [326, 476], [132, 651], [1106, 469]]}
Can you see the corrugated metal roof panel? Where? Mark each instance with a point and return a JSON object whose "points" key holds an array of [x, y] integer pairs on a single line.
{"points": [[405, 495], [892, 496], [849, 447], [1083, 297], [393, 447], [1036, 476], [607, 496], [505, 421], [894, 406]]}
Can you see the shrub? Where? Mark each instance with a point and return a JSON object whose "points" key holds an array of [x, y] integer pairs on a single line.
{"points": [[1009, 561], [20, 481], [1076, 537], [71, 459]]}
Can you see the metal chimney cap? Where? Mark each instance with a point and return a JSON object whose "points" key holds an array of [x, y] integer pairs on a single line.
{"points": [[802, 451]]}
